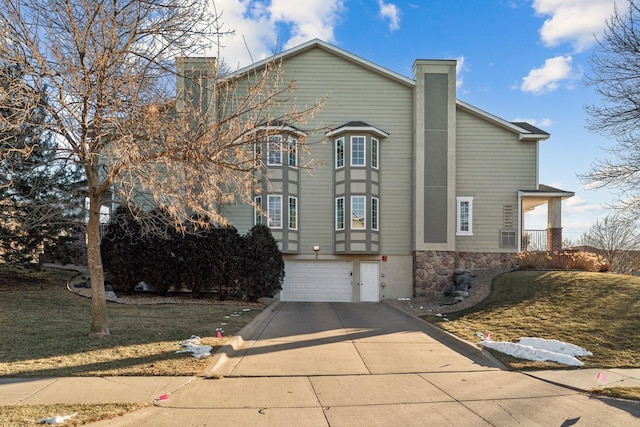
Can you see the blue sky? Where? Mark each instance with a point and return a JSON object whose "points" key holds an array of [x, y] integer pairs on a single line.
{"points": [[522, 60]]}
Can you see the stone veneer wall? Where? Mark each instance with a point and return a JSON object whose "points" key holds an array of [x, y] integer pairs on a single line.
{"points": [[433, 270]]}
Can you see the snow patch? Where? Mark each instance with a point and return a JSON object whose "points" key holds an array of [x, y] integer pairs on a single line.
{"points": [[58, 419], [539, 349], [555, 346], [197, 350]]}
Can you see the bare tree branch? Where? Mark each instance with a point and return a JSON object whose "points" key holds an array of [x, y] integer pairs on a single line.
{"points": [[108, 67], [615, 76], [617, 239]]}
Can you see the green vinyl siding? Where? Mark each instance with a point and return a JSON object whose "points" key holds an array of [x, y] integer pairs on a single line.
{"points": [[353, 93], [491, 166]]}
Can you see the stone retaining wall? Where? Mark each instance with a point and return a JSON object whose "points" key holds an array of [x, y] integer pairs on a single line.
{"points": [[433, 270]]}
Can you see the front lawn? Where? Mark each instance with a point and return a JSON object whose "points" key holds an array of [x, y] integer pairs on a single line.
{"points": [[45, 330], [597, 311]]}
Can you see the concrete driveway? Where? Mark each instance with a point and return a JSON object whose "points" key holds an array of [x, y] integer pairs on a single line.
{"points": [[312, 339], [339, 364]]}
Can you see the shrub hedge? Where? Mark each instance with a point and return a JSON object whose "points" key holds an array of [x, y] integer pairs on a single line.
{"points": [[215, 259], [564, 260]]}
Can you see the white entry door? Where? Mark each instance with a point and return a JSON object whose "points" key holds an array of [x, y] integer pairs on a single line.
{"points": [[369, 284]]}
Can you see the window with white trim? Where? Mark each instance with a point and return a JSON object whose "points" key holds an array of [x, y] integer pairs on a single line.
{"points": [[293, 213], [374, 153], [274, 211], [340, 213], [257, 154], [292, 150], [257, 214], [464, 223], [358, 150], [374, 213], [339, 153], [358, 212], [274, 150]]}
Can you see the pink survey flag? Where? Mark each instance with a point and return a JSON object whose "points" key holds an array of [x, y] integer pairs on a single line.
{"points": [[601, 377]]}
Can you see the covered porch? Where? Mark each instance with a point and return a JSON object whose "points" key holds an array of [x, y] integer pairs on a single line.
{"points": [[549, 238]]}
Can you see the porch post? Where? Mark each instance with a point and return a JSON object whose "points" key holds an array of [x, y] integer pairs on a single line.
{"points": [[554, 224]]}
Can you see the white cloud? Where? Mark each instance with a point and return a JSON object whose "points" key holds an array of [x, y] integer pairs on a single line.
{"points": [[309, 19], [578, 205], [548, 77], [572, 21], [391, 12], [460, 67], [256, 23]]}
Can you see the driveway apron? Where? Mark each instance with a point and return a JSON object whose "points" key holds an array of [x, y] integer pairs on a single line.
{"points": [[312, 339]]}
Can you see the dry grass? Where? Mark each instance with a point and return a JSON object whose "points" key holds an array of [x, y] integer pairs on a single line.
{"points": [[44, 331], [597, 311], [31, 415], [631, 393]]}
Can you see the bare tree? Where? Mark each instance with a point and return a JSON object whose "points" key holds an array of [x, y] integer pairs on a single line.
{"points": [[108, 67], [617, 239], [615, 75]]}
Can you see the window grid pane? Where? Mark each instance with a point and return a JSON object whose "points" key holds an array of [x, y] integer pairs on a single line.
{"points": [[357, 151], [340, 153], [274, 211], [358, 212], [293, 213], [374, 213], [374, 153], [340, 213], [257, 216], [293, 152], [257, 154], [464, 216], [274, 150]]}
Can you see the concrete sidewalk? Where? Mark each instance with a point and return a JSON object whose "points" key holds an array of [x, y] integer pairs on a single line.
{"points": [[346, 364]]}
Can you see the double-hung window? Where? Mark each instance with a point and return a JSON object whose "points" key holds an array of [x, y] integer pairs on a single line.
{"points": [[374, 153], [274, 211], [357, 151], [340, 213], [293, 213], [257, 214], [339, 153], [274, 150], [374, 213], [257, 154], [464, 223], [292, 150], [358, 212]]}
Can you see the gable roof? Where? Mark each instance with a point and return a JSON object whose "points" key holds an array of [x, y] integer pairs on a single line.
{"points": [[525, 131], [357, 126], [317, 43]]}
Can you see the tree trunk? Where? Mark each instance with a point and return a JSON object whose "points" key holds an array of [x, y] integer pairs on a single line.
{"points": [[99, 324]]}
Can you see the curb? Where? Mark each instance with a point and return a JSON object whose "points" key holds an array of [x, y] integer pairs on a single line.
{"points": [[456, 343], [222, 363]]}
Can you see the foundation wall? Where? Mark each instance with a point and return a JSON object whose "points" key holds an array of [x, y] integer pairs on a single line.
{"points": [[433, 270]]}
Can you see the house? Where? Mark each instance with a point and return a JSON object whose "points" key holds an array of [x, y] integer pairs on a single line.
{"points": [[411, 184]]}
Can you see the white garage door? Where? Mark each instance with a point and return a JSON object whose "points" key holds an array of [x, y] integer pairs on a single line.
{"points": [[319, 281]]}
